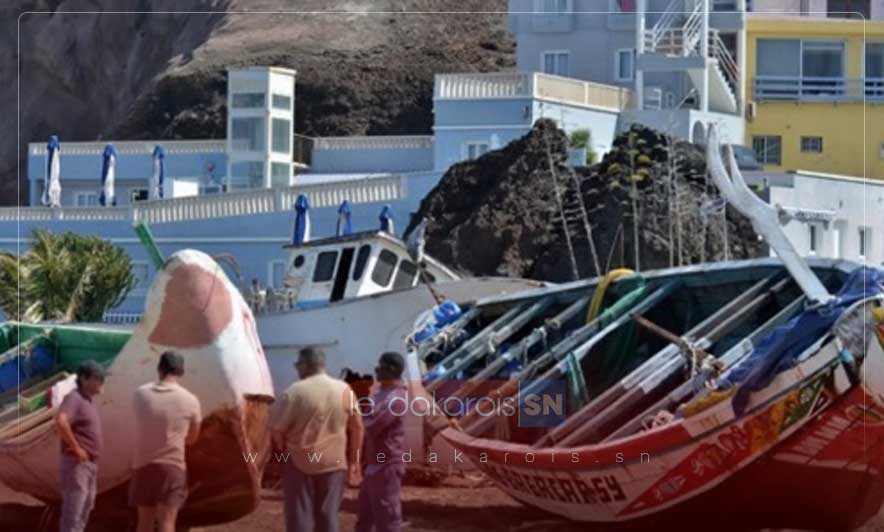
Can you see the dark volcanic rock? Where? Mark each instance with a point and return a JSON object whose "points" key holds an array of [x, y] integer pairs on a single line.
{"points": [[498, 215]]}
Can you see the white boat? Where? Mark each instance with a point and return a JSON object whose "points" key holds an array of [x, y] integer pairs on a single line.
{"points": [[192, 308], [356, 296]]}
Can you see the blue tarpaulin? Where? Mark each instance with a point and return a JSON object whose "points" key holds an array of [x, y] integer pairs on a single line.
{"points": [[781, 348]]}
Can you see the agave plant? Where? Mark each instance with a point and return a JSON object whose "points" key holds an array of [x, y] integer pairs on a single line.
{"points": [[67, 277]]}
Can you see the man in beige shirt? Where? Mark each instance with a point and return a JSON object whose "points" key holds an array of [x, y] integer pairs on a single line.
{"points": [[168, 418], [318, 424]]}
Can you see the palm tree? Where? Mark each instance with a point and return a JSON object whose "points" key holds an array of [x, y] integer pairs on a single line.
{"points": [[67, 277]]}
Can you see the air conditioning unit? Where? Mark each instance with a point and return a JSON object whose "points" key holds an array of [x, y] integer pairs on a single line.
{"points": [[751, 109]]}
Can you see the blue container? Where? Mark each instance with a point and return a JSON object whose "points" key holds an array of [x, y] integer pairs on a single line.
{"points": [[446, 312]]}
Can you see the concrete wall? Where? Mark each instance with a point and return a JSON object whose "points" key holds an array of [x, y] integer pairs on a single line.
{"points": [[82, 172], [499, 121], [595, 26], [371, 160], [852, 136], [813, 8], [254, 241], [685, 123], [857, 203]]}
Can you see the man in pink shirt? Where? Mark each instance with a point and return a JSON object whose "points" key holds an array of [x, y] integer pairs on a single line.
{"points": [[168, 419]]}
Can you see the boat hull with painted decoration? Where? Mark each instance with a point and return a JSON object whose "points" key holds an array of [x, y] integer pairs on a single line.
{"points": [[192, 308], [651, 434]]}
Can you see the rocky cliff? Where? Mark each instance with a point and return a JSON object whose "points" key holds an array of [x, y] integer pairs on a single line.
{"points": [[88, 76], [500, 214]]}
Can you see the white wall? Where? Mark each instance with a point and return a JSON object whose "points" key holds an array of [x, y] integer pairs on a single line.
{"points": [[857, 204]]}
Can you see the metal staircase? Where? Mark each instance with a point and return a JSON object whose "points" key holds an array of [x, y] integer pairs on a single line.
{"points": [[678, 33]]}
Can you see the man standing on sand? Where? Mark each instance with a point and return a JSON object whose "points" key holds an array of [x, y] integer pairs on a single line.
{"points": [[167, 419], [318, 424], [380, 508], [79, 428]]}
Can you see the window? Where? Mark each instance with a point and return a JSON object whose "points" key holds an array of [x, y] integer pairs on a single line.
{"points": [[811, 144], [282, 135], [474, 150], [796, 58], [556, 63], [212, 188], [138, 194], [248, 100], [625, 64], [859, 9], [552, 6], [280, 174], [864, 241], [361, 261], [383, 268], [778, 57], [281, 101], [874, 61], [141, 274], [250, 172], [768, 149], [405, 276], [325, 266], [248, 134], [86, 199], [813, 239], [277, 274], [822, 59]]}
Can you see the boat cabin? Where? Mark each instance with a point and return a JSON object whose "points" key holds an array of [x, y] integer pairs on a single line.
{"points": [[351, 266]]}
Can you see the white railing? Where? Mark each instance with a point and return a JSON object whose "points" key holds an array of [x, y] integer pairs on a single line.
{"points": [[402, 142], [676, 35], [726, 62], [133, 147], [664, 24], [532, 85], [471, 86], [263, 201], [795, 88]]}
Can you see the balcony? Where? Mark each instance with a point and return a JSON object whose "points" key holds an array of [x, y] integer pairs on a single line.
{"points": [[812, 89], [531, 85]]}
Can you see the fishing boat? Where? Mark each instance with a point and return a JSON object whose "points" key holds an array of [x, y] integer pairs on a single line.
{"points": [[735, 394], [358, 295], [191, 308]]}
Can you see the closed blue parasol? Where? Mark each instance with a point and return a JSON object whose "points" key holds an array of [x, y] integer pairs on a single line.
{"points": [[52, 181], [156, 184], [344, 227], [301, 232], [108, 171], [386, 219]]}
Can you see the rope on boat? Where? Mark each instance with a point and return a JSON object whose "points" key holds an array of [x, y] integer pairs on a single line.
{"points": [[598, 297]]}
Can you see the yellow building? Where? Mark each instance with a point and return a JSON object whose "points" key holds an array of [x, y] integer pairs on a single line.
{"points": [[816, 94]]}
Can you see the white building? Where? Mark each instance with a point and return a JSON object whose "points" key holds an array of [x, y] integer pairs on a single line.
{"points": [[833, 216]]}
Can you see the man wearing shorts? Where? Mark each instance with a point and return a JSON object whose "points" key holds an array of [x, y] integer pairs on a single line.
{"points": [[168, 419]]}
